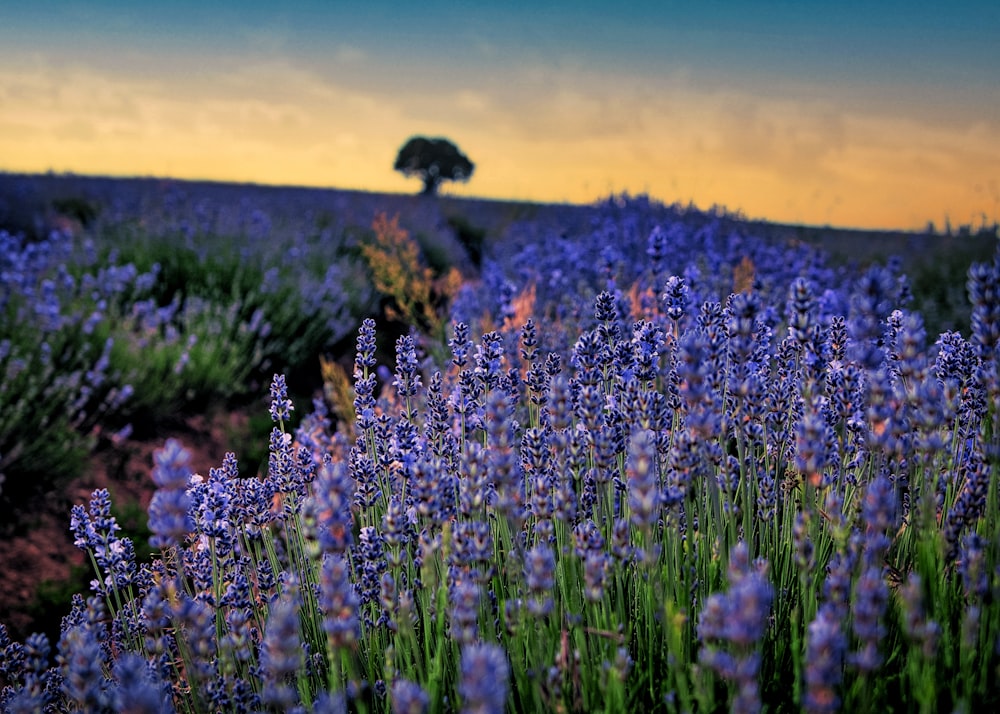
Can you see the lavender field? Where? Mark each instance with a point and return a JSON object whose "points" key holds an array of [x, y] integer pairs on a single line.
{"points": [[521, 458]]}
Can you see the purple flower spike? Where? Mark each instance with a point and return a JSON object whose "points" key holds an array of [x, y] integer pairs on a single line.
{"points": [[868, 608], [333, 494], [539, 575], [169, 517], [171, 468], [675, 298], [732, 624], [408, 698], [339, 602], [139, 689], [825, 647], [464, 618], [643, 488], [281, 654], [407, 378], [82, 667], [281, 406], [483, 679]]}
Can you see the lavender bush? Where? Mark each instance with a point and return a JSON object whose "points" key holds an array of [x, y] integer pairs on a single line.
{"points": [[717, 487], [135, 323], [58, 382]]}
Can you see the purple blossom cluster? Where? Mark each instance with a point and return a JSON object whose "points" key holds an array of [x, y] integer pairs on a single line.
{"points": [[732, 625]]}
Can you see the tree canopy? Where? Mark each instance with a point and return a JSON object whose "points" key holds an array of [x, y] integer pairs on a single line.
{"points": [[433, 160]]}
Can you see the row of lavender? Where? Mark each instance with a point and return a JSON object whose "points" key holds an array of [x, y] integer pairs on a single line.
{"points": [[142, 318], [669, 479]]}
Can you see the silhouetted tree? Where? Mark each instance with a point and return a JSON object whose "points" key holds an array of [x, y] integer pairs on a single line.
{"points": [[434, 161]]}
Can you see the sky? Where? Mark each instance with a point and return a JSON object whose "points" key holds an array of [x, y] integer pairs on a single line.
{"points": [[861, 114]]}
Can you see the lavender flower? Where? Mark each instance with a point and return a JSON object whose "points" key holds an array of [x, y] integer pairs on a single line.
{"points": [[587, 537], [643, 488], [396, 526], [871, 302], [675, 298], [139, 690], [472, 544], [463, 621], [538, 382], [407, 379], [364, 379], [365, 358], [529, 341], [281, 655], [878, 509], [621, 542], [909, 356], [984, 293], [369, 562], [502, 464], [474, 485], [35, 694], [432, 489], [408, 698], [647, 347], [281, 406], [483, 679], [814, 445], [212, 510], [330, 703], [741, 320], [489, 358], [560, 410], [11, 657], [917, 627], [82, 662], [589, 454], [596, 564], [802, 542], [195, 621], [737, 619], [970, 503], [972, 566], [693, 368], [871, 597], [282, 473], [169, 517], [97, 532], [657, 249], [339, 602], [539, 576], [333, 496], [238, 638], [800, 311], [826, 645], [460, 345]]}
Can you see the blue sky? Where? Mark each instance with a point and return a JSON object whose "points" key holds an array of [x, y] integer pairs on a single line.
{"points": [[869, 114]]}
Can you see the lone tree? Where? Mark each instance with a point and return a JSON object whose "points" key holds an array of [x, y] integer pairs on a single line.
{"points": [[434, 161]]}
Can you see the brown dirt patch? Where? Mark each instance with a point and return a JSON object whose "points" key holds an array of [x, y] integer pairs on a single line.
{"points": [[44, 551]]}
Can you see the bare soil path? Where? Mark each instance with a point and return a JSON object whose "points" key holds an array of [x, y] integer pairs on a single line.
{"points": [[43, 553]]}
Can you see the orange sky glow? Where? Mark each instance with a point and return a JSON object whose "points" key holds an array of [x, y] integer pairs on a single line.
{"points": [[554, 127]]}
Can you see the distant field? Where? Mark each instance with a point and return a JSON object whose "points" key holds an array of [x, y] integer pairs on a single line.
{"points": [[24, 198], [936, 264]]}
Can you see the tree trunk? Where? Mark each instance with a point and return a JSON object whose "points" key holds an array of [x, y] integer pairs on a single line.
{"points": [[431, 184]]}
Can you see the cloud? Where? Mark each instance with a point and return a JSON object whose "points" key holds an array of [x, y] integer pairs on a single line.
{"points": [[255, 118], [349, 54]]}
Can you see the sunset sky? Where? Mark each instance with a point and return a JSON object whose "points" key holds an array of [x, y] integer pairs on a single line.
{"points": [[850, 113]]}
